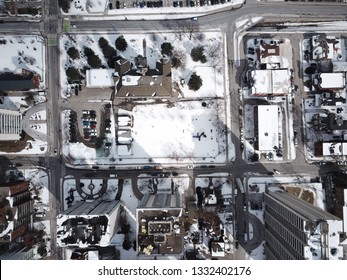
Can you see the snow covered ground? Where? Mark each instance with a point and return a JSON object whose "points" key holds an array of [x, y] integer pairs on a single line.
{"points": [[183, 42], [23, 52], [184, 132]]}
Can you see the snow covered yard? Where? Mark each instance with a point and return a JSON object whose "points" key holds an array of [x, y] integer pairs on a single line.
{"points": [[150, 45], [187, 130], [23, 52], [179, 131]]}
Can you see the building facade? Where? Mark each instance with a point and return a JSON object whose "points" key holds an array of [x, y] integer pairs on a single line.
{"points": [[10, 125], [297, 230]]}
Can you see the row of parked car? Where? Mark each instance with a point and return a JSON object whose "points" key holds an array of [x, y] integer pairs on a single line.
{"points": [[200, 3], [89, 125], [73, 127], [136, 4], [159, 4]]}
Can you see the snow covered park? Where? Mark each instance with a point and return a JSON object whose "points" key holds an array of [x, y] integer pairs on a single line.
{"points": [[191, 127]]}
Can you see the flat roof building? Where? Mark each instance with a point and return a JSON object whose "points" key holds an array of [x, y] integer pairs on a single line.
{"points": [[332, 80], [297, 230], [99, 78], [160, 225], [270, 82], [21, 80], [267, 128]]}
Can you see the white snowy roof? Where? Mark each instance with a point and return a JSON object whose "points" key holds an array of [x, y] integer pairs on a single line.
{"points": [[267, 127], [124, 150], [332, 80], [100, 78], [124, 120], [271, 81]]}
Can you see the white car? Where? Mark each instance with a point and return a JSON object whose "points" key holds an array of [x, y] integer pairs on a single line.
{"points": [[190, 166], [194, 18]]}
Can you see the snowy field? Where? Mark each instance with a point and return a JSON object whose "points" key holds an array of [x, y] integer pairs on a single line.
{"points": [[23, 52], [159, 131], [183, 42]]}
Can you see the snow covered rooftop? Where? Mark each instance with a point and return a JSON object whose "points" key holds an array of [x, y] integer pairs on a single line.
{"points": [[332, 80], [271, 81], [336, 149], [267, 127], [100, 78]]}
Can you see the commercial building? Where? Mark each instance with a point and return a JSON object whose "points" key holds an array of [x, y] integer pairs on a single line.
{"points": [[10, 125], [297, 230], [270, 82], [88, 224], [332, 80], [267, 127], [160, 225], [99, 78]]}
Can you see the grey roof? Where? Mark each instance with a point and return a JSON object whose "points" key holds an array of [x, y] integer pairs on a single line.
{"points": [[15, 82], [153, 82], [160, 200]]}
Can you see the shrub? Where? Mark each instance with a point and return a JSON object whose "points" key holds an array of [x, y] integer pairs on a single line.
{"points": [[64, 5], [121, 43], [73, 74], [166, 49], [103, 42], [94, 61], [176, 62], [88, 51], [195, 82], [108, 51], [73, 53], [197, 54]]}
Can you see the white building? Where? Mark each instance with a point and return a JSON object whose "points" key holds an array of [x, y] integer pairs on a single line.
{"points": [[267, 127], [332, 80], [99, 78], [10, 125], [270, 81]]}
